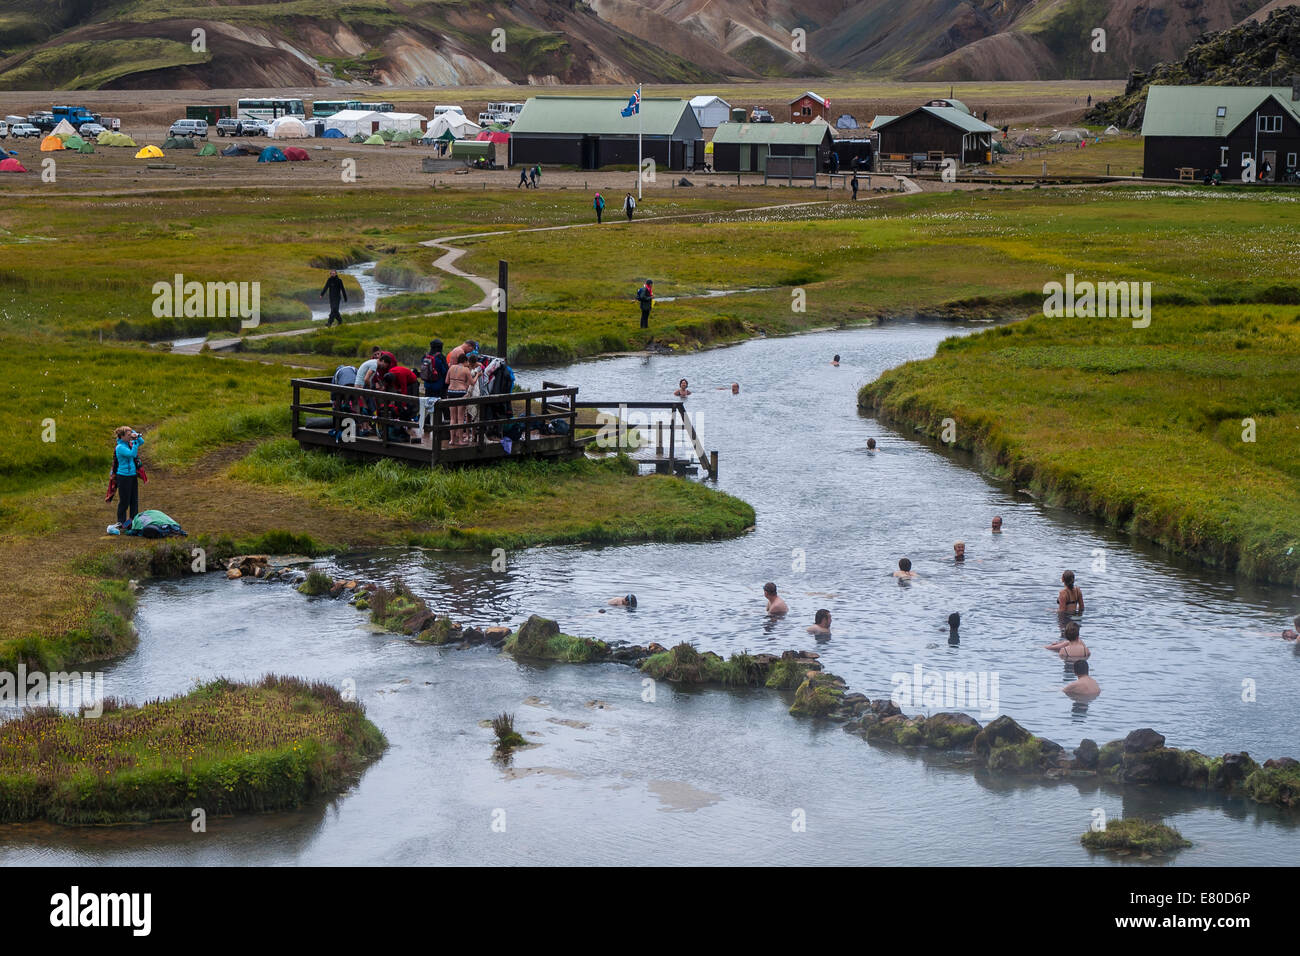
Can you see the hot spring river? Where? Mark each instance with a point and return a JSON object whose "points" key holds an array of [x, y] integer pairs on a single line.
{"points": [[718, 776]]}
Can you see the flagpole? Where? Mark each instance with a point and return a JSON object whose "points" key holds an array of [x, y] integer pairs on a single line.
{"points": [[639, 126]]}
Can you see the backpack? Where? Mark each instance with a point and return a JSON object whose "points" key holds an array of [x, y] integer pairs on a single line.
{"points": [[426, 368], [503, 383]]}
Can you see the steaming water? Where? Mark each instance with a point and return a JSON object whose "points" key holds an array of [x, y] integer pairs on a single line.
{"points": [[719, 776]]}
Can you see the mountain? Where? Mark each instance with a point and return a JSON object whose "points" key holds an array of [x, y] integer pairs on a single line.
{"points": [[81, 44], [1257, 52]]}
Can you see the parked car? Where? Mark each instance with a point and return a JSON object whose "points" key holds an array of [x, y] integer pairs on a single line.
{"points": [[4, 130], [229, 126], [23, 130], [42, 121], [90, 129], [256, 127], [189, 127], [761, 115]]}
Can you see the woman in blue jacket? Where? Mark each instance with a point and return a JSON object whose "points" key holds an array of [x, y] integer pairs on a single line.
{"points": [[125, 461]]}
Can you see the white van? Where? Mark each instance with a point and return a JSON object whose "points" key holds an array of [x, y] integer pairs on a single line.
{"points": [[4, 130], [440, 110]]}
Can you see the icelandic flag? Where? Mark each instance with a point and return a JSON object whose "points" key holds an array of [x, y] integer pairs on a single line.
{"points": [[634, 104]]}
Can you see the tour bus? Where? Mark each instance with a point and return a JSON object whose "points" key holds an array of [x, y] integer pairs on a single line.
{"points": [[323, 109], [269, 109], [505, 112], [373, 107]]}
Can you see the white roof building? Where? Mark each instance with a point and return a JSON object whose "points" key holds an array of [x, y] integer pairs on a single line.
{"points": [[710, 110]]}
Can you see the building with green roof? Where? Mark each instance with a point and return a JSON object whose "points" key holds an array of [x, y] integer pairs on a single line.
{"points": [[1202, 129], [590, 132], [745, 147], [939, 128]]}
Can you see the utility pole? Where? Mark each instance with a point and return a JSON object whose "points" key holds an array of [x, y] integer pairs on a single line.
{"points": [[503, 287]]}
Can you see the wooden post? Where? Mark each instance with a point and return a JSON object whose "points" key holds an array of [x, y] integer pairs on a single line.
{"points": [[659, 439], [528, 432], [672, 438], [713, 465], [293, 430], [503, 285]]}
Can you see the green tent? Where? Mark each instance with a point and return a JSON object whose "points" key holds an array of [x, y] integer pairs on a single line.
{"points": [[178, 142], [357, 138], [387, 134], [448, 136], [73, 142], [403, 136], [375, 140], [115, 139], [86, 148], [209, 149]]}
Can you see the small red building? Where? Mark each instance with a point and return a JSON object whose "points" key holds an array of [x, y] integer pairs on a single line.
{"points": [[808, 107]]}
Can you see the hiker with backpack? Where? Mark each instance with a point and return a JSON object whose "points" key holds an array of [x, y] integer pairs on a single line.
{"points": [[433, 372], [334, 286], [126, 475], [629, 205], [598, 204]]}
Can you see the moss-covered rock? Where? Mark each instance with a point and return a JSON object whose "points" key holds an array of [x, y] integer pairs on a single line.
{"points": [[398, 609], [818, 695], [1278, 785], [1109, 756], [1135, 836], [951, 731], [439, 630], [316, 583], [1230, 771], [1001, 732], [1028, 756], [540, 638]]}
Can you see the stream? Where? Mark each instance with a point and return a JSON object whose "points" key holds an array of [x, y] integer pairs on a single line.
{"points": [[719, 776]]}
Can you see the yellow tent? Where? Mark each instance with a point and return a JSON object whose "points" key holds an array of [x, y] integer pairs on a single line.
{"points": [[150, 152], [50, 143]]}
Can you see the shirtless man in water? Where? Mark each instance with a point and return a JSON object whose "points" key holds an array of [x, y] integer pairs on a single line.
{"points": [[905, 569], [1083, 686], [997, 524], [628, 600], [1291, 634], [821, 625], [775, 605]]}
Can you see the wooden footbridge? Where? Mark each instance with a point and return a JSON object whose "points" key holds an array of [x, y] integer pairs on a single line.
{"points": [[549, 422]]}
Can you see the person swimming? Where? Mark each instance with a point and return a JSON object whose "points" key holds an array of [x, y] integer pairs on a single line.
{"points": [[682, 390], [1070, 599], [1082, 685], [1070, 647], [835, 360], [821, 625], [627, 600], [1290, 634], [997, 524], [871, 444], [775, 605], [904, 569], [959, 551]]}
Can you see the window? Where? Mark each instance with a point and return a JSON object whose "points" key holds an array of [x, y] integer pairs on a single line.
{"points": [[1223, 156], [1290, 160], [1270, 124], [807, 111], [1221, 112]]}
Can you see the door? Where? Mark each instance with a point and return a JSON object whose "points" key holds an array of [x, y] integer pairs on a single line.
{"points": [[590, 152], [1268, 160]]}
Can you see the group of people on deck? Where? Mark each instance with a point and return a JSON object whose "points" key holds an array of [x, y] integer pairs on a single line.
{"points": [[462, 372]]}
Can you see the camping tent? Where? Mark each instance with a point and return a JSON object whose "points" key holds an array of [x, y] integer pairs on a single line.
{"points": [[51, 143], [271, 154], [209, 149], [1112, 130], [173, 142], [375, 140], [234, 149], [73, 142], [357, 138], [401, 121], [288, 127], [11, 166], [115, 139], [404, 136], [1024, 140], [352, 122], [295, 154], [846, 121], [86, 148], [456, 124], [334, 134], [150, 152], [64, 128], [493, 136], [1069, 136]]}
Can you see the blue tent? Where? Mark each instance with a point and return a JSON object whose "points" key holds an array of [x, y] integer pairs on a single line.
{"points": [[272, 154], [334, 134]]}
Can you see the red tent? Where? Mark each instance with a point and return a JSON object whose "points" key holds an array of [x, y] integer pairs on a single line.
{"points": [[295, 155], [492, 135], [12, 165]]}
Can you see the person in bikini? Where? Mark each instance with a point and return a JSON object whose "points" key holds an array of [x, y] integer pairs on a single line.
{"points": [[1070, 647], [1070, 599]]}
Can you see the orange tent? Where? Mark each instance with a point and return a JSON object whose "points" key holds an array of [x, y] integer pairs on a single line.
{"points": [[50, 143]]}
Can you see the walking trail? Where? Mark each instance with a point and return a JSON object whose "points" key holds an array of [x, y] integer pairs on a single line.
{"points": [[447, 262]]}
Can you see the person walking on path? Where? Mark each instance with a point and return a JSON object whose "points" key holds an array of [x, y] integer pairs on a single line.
{"points": [[646, 296], [334, 287], [598, 204], [854, 183], [126, 474], [523, 179], [535, 174], [629, 205]]}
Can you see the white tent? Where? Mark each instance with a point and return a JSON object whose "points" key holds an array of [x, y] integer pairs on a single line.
{"points": [[288, 127], [460, 127], [63, 129], [352, 122], [401, 121], [1069, 136], [1112, 130]]}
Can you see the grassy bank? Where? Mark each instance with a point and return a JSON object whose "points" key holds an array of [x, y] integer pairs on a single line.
{"points": [[223, 748], [1149, 429]]}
